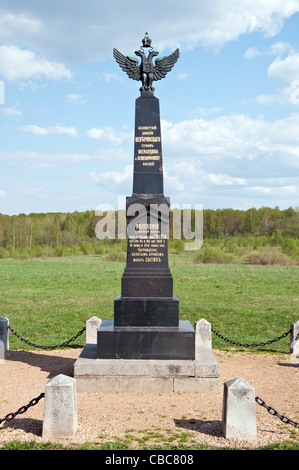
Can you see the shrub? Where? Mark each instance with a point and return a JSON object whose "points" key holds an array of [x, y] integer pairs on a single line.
{"points": [[213, 255], [268, 257], [276, 237], [8, 252], [21, 253], [101, 250], [179, 246], [72, 251], [59, 251], [289, 246], [116, 256], [85, 249]]}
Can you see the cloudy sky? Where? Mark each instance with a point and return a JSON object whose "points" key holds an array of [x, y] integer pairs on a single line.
{"points": [[229, 108]]}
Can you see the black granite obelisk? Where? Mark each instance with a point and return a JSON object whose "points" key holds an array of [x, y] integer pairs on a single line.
{"points": [[147, 285], [146, 315]]}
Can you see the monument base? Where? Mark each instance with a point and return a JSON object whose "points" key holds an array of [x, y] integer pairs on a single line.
{"points": [[146, 312], [200, 375], [145, 343]]}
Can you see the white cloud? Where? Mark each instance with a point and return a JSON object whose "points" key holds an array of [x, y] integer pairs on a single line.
{"points": [[12, 24], [233, 137], [206, 111], [200, 137], [174, 182], [113, 77], [276, 191], [182, 76], [82, 31], [41, 131], [286, 69], [265, 99], [225, 180], [2, 194], [23, 64], [36, 160], [232, 158], [108, 134], [112, 176], [252, 52], [278, 48], [113, 180], [13, 111], [220, 190], [75, 98], [285, 95], [190, 177]]}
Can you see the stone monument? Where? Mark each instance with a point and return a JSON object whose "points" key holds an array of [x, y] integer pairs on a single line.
{"points": [[146, 325], [146, 314]]}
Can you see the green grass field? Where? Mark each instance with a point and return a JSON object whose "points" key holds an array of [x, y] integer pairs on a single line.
{"points": [[48, 301]]}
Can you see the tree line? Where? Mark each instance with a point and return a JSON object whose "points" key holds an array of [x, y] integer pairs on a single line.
{"points": [[75, 232]]}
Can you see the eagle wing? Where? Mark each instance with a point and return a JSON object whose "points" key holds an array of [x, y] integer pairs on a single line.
{"points": [[128, 64], [165, 64]]}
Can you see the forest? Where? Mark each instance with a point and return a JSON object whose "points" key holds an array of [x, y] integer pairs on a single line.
{"points": [[259, 236]]}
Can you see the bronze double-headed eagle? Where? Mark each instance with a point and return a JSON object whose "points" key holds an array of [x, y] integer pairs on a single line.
{"points": [[146, 71]]}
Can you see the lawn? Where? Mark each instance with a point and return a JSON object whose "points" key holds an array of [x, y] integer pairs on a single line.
{"points": [[48, 301]]}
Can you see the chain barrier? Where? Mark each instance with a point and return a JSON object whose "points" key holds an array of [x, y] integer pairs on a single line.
{"points": [[273, 412], [258, 400], [253, 345], [23, 409], [46, 347], [34, 401]]}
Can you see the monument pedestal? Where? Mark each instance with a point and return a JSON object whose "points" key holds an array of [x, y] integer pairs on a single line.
{"points": [[146, 312], [200, 375], [146, 348], [145, 342]]}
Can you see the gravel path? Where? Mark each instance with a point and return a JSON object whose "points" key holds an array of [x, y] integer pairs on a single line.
{"points": [[155, 418]]}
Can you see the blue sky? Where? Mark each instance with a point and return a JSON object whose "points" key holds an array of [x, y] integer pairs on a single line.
{"points": [[229, 108]]}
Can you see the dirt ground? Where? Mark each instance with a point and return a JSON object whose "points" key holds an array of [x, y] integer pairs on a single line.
{"points": [[195, 417]]}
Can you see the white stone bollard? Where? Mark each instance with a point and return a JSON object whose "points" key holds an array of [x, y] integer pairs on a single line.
{"points": [[60, 409], [239, 410], [203, 335], [294, 343], [4, 338], [92, 326], [293, 336], [295, 353]]}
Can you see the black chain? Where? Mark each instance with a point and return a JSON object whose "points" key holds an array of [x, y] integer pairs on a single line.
{"points": [[260, 402], [34, 401], [273, 412], [297, 337], [23, 409], [253, 345], [47, 347]]}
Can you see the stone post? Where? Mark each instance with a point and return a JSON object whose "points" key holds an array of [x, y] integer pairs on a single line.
{"points": [[60, 409], [92, 326], [294, 343], [239, 410], [203, 335], [4, 338], [294, 334]]}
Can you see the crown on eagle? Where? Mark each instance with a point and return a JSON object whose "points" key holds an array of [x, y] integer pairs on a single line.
{"points": [[146, 41]]}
